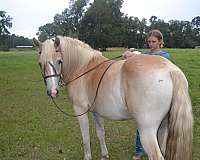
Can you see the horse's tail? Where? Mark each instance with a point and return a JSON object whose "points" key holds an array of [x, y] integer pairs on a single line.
{"points": [[179, 142]]}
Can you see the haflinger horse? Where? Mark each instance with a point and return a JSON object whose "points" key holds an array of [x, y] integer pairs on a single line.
{"points": [[150, 89]]}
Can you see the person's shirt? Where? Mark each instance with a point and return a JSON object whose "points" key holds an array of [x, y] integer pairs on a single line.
{"points": [[160, 53]]}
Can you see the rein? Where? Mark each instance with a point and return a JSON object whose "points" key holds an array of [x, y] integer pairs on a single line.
{"points": [[92, 69], [89, 109]]}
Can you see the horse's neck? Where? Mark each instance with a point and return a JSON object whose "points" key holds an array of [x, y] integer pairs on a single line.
{"points": [[95, 61], [80, 63]]}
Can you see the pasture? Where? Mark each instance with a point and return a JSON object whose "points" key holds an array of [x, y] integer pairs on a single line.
{"points": [[31, 128]]}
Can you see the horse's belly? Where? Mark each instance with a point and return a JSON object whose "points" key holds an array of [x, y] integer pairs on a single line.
{"points": [[113, 110], [110, 101]]}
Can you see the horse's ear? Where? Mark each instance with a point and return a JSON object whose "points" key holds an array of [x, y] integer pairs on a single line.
{"points": [[57, 42], [36, 43]]}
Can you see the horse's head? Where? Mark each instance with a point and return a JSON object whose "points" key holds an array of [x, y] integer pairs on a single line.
{"points": [[50, 62]]}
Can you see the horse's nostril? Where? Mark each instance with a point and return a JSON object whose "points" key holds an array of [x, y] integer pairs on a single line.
{"points": [[53, 92], [57, 91]]}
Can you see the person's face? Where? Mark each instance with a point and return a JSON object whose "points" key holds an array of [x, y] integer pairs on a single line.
{"points": [[153, 43]]}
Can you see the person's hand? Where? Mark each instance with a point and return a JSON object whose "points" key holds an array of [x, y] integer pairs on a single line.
{"points": [[128, 54], [137, 52]]}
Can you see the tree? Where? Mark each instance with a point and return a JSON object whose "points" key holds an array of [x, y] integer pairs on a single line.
{"points": [[5, 24], [46, 31], [142, 31], [66, 23], [196, 23], [129, 31], [77, 10], [175, 33], [100, 26], [189, 35], [153, 21]]}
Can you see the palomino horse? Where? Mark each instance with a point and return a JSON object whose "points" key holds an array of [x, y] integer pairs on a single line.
{"points": [[149, 89]]}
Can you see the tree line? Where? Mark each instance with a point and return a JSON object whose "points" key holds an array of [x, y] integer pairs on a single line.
{"points": [[8, 40], [102, 24]]}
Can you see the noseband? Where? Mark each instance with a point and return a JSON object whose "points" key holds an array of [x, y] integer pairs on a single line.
{"points": [[53, 75]]}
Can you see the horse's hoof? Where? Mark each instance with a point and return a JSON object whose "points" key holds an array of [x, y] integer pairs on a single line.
{"points": [[106, 157]]}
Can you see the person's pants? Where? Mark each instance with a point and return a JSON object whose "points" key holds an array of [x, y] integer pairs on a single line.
{"points": [[139, 150]]}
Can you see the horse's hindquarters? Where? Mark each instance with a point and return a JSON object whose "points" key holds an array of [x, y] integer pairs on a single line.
{"points": [[148, 98], [147, 87]]}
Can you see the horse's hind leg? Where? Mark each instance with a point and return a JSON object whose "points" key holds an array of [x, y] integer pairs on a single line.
{"points": [[99, 122], [150, 144], [163, 134]]}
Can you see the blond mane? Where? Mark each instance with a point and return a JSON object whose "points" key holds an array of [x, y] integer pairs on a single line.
{"points": [[48, 50], [76, 53], [75, 42]]}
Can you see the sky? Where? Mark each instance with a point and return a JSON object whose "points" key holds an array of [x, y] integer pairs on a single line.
{"points": [[29, 15]]}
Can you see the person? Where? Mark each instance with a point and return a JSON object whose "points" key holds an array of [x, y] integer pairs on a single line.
{"points": [[155, 43]]}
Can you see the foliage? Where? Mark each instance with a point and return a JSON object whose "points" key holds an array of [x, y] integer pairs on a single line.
{"points": [[196, 23], [32, 128], [6, 40], [47, 31], [19, 41], [4, 48], [67, 23], [102, 25], [5, 23]]}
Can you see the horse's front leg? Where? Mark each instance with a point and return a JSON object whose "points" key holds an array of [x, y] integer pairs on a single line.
{"points": [[99, 122], [84, 125]]}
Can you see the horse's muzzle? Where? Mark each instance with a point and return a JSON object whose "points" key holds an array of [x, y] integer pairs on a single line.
{"points": [[52, 93]]}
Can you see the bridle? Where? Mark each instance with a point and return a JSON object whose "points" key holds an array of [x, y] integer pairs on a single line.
{"points": [[52, 75], [60, 75]]}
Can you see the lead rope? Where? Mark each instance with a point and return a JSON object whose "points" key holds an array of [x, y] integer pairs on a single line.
{"points": [[91, 106]]}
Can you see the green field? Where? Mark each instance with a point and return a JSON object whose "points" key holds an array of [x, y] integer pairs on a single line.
{"points": [[31, 128]]}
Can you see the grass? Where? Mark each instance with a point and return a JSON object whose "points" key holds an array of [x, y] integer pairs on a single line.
{"points": [[32, 129]]}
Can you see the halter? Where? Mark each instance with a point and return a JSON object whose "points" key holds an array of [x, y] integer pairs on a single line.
{"points": [[53, 75]]}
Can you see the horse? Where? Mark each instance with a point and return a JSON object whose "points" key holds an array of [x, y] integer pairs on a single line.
{"points": [[148, 89]]}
